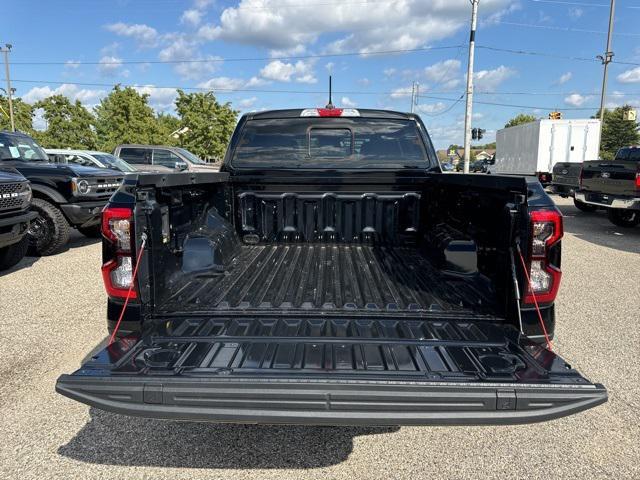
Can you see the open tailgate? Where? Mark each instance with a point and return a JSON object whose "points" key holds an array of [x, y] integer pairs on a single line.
{"points": [[332, 371]]}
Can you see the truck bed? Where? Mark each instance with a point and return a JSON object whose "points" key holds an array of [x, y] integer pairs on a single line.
{"points": [[331, 278]]}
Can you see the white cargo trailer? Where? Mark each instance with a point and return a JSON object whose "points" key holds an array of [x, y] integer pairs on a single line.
{"points": [[534, 148]]}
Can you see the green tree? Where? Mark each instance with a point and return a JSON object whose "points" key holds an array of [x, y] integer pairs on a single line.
{"points": [[617, 132], [209, 123], [520, 119], [69, 125], [167, 124], [124, 116], [22, 115]]}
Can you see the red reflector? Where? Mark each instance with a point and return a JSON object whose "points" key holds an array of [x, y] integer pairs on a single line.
{"points": [[329, 112], [638, 180]]}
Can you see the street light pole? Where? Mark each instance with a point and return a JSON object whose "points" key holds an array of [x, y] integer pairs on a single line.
{"points": [[6, 51], [606, 60], [469, 109]]}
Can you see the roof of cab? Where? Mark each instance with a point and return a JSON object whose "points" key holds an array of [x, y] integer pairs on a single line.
{"points": [[295, 113]]}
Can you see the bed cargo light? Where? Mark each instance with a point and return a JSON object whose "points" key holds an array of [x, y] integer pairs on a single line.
{"points": [[546, 231], [117, 272]]}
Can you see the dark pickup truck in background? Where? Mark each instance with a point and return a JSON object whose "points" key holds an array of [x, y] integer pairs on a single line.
{"points": [[15, 216], [566, 181], [332, 274], [614, 185], [64, 196]]}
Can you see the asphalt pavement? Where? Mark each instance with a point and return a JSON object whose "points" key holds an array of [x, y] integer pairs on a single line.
{"points": [[52, 312]]}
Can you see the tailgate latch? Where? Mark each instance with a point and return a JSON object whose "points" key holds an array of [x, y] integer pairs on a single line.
{"points": [[506, 400]]}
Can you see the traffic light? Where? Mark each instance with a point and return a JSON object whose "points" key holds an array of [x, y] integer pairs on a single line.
{"points": [[555, 116], [477, 133]]}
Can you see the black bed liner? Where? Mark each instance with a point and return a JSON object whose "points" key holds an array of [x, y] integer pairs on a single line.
{"points": [[331, 278]]}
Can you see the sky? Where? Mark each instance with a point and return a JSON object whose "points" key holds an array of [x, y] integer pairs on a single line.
{"points": [[532, 56]]}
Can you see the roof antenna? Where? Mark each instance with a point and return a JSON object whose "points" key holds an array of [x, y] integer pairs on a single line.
{"points": [[330, 104]]}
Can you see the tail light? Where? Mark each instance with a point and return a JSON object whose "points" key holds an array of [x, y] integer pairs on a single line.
{"points": [[638, 177], [117, 272], [546, 232]]}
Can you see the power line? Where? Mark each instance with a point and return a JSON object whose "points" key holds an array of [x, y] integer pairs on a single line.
{"points": [[246, 59], [563, 29], [305, 92], [327, 55], [578, 4]]}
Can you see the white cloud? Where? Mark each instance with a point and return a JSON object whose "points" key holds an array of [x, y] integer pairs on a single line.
{"points": [[564, 78], [109, 66], [160, 98], [73, 92], [329, 66], [489, 80], [577, 100], [347, 102], [365, 82], [191, 17], [247, 102], [401, 92], [72, 64], [223, 83], [144, 35], [389, 72], [446, 74], [576, 12], [181, 48], [379, 26], [630, 76], [279, 71], [431, 107]]}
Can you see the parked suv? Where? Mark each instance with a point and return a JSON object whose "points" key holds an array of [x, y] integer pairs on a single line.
{"points": [[15, 216], [614, 185], [64, 195], [175, 158]]}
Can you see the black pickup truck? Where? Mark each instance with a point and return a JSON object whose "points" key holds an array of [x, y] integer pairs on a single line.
{"points": [[15, 216], [613, 185], [332, 274], [64, 196]]}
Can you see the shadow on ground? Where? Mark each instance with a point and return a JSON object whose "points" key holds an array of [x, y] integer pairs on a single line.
{"points": [[595, 228], [112, 439], [76, 240]]}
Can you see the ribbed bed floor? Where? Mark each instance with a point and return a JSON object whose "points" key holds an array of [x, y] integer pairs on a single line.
{"points": [[344, 278]]}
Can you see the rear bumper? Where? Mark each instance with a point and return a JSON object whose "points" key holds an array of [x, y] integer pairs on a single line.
{"points": [[84, 214], [12, 229], [329, 402], [628, 203]]}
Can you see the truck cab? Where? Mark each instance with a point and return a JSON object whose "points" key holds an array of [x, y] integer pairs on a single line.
{"points": [[332, 274]]}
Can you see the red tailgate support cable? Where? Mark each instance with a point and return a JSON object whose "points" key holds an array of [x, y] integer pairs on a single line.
{"points": [[133, 282], [535, 300]]}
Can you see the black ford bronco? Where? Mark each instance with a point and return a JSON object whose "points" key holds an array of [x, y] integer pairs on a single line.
{"points": [[64, 196], [15, 216]]}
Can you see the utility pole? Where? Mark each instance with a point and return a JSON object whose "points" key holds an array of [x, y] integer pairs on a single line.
{"points": [[606, 59], [469, 110], [413, 95], [6, 51]]}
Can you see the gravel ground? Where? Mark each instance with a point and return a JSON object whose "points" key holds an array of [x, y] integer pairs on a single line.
{"points": [[52, 313]]}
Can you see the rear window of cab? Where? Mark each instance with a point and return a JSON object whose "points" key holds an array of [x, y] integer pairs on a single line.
{"points": [[321, 143]]}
